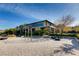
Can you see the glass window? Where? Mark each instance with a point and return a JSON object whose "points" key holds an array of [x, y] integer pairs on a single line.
{"points": [[40, 24]]}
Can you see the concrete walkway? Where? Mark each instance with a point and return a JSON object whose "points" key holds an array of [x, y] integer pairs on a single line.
{"points": [[39, 47], [69, 46]]}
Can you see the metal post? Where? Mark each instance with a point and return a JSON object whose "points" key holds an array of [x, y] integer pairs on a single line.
{"points": [[20, 32], [25, 33], [31, 33], [28, 33], [54, 30]]}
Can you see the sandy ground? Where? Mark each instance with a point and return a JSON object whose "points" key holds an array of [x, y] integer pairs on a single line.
{"points": [[44, 47]]}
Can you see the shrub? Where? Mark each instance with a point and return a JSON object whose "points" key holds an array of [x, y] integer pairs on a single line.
{"points": [[77, 36], [64, 35]]}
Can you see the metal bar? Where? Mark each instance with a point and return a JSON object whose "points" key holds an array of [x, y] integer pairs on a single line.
{"points": [[31, 33], [28, 33], [25, 33]]}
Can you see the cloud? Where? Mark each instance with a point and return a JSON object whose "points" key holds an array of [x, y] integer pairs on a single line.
{"points": [[36, 12]]}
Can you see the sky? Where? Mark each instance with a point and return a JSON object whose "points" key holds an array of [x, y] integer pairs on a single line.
{"points": [[12, 15]]}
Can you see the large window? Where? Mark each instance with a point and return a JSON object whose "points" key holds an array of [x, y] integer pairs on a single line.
{"points": [[39, 24]]}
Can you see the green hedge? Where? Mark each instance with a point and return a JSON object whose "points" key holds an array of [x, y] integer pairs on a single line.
{"points": [[64, 35]]}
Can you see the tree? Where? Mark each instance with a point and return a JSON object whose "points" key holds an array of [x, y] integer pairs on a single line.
{"points": [[63, 22], [10, 31]]}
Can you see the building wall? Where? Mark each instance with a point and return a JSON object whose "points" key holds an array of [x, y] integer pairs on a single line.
{"points": [[45, 25]]}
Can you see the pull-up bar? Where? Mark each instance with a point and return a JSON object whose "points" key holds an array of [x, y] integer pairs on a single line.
{"points": [[29, 30]]}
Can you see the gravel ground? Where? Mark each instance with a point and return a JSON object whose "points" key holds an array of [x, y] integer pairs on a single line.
{"points": [[42, 47]]}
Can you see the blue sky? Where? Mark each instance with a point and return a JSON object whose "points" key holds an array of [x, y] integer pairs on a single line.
{"points": [[12, 15]]}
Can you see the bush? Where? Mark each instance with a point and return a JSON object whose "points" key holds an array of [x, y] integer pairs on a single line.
{"points": [[77, 36], [40, 32], [64, 35], [36, 33]]}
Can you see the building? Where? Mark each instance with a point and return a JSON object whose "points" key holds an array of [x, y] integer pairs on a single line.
{"points": [[44, 25]]}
